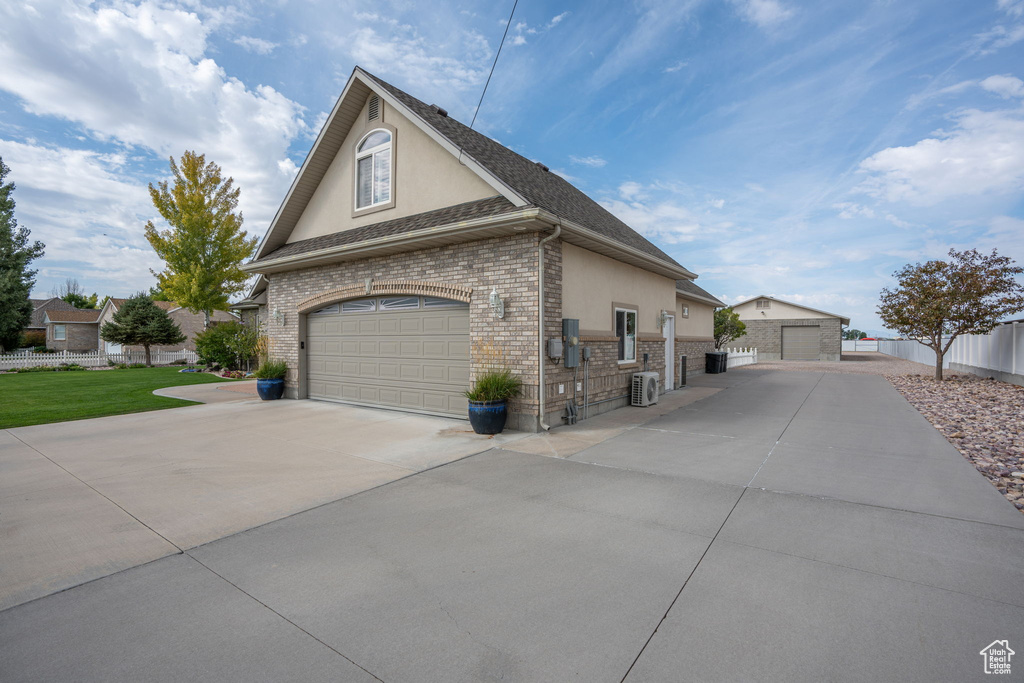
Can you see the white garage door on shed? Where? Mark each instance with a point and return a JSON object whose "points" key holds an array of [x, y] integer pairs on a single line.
{"points": [[801, 343], [408, 352]]}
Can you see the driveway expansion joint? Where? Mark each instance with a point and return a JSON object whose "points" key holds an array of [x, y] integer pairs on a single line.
{"points": [[284, 618]]}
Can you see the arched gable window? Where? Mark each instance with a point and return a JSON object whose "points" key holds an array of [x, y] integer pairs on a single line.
{"points": [[373, 169]]}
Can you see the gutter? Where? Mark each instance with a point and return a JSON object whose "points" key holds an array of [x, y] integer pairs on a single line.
{"points": [[541, 392], [485, 223]]}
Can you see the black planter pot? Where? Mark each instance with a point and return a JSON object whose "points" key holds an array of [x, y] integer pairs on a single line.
{"points": [[270, 389], [488, 417]]}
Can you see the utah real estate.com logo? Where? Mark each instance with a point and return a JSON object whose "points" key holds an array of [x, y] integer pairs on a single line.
{"points": [[997, 657]]}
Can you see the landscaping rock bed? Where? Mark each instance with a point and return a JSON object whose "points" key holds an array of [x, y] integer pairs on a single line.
{"points": [[983, 418]]}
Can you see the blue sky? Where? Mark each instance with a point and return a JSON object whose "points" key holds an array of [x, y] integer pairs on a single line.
{"points": [[804, 150]]}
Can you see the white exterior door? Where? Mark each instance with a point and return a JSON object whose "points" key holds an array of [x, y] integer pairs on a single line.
{"points": [[669, 330]]}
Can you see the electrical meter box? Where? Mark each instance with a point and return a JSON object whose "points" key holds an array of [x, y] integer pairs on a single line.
{"points": [[571, 337]]}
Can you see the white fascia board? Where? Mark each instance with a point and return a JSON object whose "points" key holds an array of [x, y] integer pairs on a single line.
{"points": [[468, 161]]}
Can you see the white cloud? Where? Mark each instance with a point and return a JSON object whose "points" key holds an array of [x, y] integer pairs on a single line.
{"points": [[256, 45], [592, 161], [983, 154], [674, 68], [518, 40], [1005, 86], [557, 19], [763, 13], [88, 212], [403, 53], [138, 75], [654, 212], [1014, 8], [848, 210]]}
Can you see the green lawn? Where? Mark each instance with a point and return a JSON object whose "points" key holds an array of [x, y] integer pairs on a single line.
{"points": [[34, 398]]}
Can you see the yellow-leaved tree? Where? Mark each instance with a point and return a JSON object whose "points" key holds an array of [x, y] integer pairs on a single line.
{"points": [[205, 246]]}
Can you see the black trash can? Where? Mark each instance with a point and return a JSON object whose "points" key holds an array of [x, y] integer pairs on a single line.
{"points": [[715, 362]]}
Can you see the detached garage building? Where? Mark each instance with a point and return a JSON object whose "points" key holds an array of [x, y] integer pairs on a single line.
{"points": [[782, 330]]}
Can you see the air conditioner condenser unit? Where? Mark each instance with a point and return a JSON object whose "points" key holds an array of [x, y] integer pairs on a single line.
{"points": [[645, 388]]}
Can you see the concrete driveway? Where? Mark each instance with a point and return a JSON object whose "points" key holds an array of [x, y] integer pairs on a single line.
{"points": [[80, 500], [791, 526]]}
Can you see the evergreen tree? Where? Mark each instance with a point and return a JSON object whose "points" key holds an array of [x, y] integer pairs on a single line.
{"points": [[205, 245], [140, 322], [16, 280]]}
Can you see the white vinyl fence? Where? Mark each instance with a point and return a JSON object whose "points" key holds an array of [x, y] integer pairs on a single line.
{"points": [[997, 354], [859, 345], [94, 359], [740, 357]]}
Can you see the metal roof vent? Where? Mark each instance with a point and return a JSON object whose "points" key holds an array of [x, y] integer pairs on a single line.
{"points": [[542, 166], [440, 112], [373, 112]]}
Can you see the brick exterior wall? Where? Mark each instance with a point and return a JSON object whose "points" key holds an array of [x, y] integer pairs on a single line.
{"points": [[694, 349], [507, 263], [79, 337], [766, 337]]}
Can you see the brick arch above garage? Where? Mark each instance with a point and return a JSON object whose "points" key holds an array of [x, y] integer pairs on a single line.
{"points": [[442, 290]]}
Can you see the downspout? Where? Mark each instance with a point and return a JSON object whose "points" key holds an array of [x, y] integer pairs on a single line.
{"points": [[540, 323]]}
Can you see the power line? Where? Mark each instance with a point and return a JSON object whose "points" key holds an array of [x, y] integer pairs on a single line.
{"points": [[498, 54]]}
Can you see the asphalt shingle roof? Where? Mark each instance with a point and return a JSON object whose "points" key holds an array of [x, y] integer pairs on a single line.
{"points": [[491, 206], [689, 287], [41, 306], [538, 186], [74, 316]]}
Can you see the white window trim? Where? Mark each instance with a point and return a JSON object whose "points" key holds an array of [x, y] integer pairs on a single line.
{"points": [[390, 146], [636, 319], [763, 304], [686, 311], [64, 333]]}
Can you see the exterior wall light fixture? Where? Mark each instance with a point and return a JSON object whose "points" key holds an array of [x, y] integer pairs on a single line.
{"points": [[497, 305]]}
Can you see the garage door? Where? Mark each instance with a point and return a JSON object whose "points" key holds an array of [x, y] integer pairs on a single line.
{"points": [[406, 352], [801, 343]]}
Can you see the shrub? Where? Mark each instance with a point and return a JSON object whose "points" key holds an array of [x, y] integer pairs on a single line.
{"points": [[122, 366], [137, 365], [495, 385], [229, 345], [180, 361], [43, 349], [233, 374], [271, 369], [34, 338], [63, 367]]}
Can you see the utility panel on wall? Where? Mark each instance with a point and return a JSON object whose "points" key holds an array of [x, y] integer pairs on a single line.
{"points": [[571, 338]]}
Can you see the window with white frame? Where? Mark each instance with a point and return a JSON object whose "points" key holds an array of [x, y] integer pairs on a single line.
{"points": [[359, 306], [763, 303], [373, 169], [625, 330], [686, 311], [60, 333]]}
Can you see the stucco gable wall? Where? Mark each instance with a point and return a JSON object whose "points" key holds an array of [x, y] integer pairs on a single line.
{"points": [[778, 311], [425, 177], [699, 324], [592, 283]]}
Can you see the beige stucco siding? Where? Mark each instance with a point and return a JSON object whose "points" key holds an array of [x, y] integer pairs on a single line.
{"points": [[591, 283], [778, 311], [701, 320], [425, 177]]}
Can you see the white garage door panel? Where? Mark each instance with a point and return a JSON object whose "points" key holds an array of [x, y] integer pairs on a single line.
{"points": [[801, 343], [414, 359]]}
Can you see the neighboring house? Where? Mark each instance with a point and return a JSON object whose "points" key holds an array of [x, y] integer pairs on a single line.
{"points": [[190, 323], [39, 309], [71, 330], [252, 310], [400, 228], [782, 330]]}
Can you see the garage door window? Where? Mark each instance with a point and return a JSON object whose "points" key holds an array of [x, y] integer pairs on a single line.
{"points": [[399, 303], [328, 310], [359, 306], [436, 302]]}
